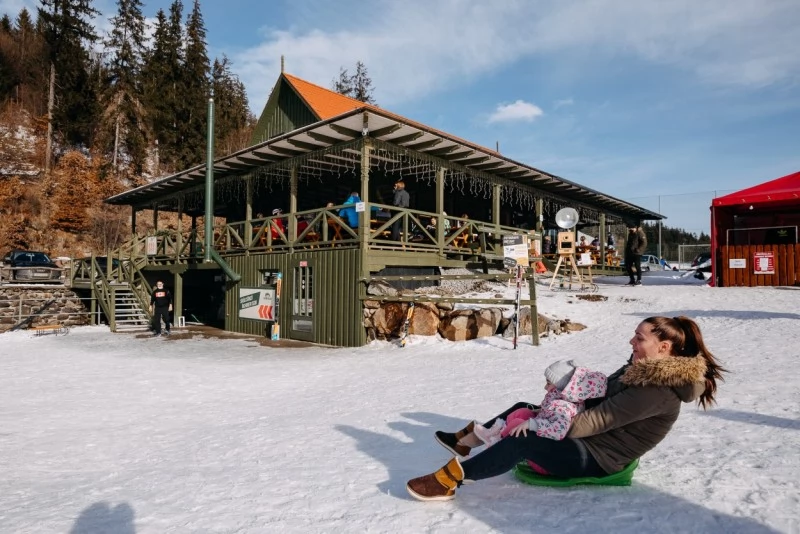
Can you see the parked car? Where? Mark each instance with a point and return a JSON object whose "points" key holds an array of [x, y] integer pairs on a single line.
{"points": [[29, 266], [700, 259]]}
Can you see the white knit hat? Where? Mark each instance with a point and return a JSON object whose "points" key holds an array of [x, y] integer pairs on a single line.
{"points": [[560, 373]]}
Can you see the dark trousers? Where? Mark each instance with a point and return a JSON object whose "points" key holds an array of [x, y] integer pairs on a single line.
{"points": [[160, 313], [633, 262], [565, 458], [397, 226]]}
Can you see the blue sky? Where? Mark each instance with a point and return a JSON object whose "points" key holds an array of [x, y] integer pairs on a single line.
{"points": [[659, 103]]}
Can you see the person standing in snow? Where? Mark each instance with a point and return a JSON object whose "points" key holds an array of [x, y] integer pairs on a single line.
{"points": [[669, 365], [635, 246], [160, 307]]}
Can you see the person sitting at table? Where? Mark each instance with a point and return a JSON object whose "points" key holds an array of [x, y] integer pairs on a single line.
{"points": [[349, 213], [596, 242], [277, 223], [582, 243]]}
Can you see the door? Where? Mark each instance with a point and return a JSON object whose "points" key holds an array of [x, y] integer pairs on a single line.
{"points": [[302, 299]]}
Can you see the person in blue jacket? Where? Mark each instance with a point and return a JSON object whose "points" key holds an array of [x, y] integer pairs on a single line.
{"points": [[348, 213]]}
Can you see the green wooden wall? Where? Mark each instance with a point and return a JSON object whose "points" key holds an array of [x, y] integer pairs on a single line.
{"points": [[338, 312], [284, 112]]}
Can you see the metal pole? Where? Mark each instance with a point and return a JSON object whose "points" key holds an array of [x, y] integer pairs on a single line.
{"points": [[209, 216], [659, 228]]}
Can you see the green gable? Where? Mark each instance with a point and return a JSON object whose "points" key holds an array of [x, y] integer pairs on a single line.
{"points": [[285, 111]]}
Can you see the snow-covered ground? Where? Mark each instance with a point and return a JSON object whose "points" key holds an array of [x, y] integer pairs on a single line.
{"points": [[103, 432]]}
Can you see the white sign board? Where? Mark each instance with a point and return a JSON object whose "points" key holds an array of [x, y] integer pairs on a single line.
{"points": [[516, 247], [360, 207], [737, 263], [151, 245], [257, 303]]}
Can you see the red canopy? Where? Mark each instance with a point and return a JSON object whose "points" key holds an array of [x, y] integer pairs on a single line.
{"points": [[780, 189]]}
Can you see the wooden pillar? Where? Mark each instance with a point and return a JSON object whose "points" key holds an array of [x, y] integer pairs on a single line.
{"points": [[155, 219], [601, 237], [133, 220], [440, 209], [193, 236], [496, 188], [248, 212], [363, 220], [292, 226], [539, 215], [179, 237], [177, 296]]}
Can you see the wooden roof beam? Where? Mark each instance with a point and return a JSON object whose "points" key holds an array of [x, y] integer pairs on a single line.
{"points": [[460, 155], [473, 161], [286, 151], [304, 145], [322, 138], [442, 152], [380, 132], [425, 144], [488, 166], [345, 131], [406, 138]]}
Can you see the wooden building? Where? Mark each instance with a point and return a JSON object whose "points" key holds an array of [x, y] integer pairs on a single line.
{"points": [[754, 235], [283, 202]]}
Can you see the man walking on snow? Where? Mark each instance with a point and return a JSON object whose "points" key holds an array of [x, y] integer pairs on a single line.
{"points": [[635, 246]]}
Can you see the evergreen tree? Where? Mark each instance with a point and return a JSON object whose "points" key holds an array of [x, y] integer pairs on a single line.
{"points": [[344, 85], [362, 84], [67, 28], [161, 83], [124, 122], [192, 125], [358, 86], [231, 112], [5, 24], [23, 65]]}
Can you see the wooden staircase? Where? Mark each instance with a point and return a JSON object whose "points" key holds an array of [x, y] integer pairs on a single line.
{"points": [[129, 313]]}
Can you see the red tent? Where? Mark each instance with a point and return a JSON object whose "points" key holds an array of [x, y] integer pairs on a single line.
{"points": [[756, 218]]}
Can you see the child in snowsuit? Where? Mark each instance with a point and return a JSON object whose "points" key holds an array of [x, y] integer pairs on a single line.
{"points": [[568, 386]]}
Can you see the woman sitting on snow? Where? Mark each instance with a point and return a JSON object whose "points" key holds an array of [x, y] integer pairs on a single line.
{"points": [[669, 365]]}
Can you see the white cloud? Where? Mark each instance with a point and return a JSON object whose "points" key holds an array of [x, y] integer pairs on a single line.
{"points": [[418, 47], [517, 111]]}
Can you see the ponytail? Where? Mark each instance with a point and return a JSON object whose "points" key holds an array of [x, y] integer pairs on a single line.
{"points": [[687, 341]]}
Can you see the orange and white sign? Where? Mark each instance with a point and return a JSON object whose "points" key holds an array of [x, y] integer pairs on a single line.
{"points": [[257, 303]]}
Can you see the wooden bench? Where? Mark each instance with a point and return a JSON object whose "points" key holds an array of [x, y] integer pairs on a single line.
{"points": [[45, 329]]}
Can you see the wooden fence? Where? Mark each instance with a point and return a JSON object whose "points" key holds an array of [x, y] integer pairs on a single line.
{"points": [[786, 263]]}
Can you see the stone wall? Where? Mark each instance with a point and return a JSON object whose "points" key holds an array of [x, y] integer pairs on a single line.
{"points": [[18, 303]]}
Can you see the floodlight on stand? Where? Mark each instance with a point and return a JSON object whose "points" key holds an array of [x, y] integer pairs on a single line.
{"points": [[566, 218]]}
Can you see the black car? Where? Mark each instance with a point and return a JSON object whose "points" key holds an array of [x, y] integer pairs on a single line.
{"points": [[29, 266]]}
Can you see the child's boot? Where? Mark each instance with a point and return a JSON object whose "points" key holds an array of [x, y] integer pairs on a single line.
{"points": [[458, 443], [490, 436]]}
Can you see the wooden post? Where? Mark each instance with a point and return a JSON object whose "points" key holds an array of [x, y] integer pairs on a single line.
{"points": [[440, 209], [363, 221], [177, 293], [602, 241], [179, 237], [496, 188], [248, 213], [292, 226], [534, 311], [155, 219], [133, 220], [539, 215]]}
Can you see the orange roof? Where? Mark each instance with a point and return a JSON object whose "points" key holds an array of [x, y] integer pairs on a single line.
{"points": [[328, 104], [324, 102]]}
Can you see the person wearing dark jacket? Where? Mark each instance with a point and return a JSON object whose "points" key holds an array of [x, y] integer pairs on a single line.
{"points": [[160, 307], [670, 365], [401, 200], [635, 246]]}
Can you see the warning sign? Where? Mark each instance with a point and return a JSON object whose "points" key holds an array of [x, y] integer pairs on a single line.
{"points": [[257, 303], [764, 262]]}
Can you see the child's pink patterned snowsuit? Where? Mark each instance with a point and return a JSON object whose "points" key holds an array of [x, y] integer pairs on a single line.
{"points": [[560, 407]]}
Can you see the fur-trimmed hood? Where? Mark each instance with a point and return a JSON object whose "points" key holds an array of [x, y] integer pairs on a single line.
{"points": [[686, 376]]}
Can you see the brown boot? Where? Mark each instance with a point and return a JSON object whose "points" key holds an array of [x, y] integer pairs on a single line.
{"points": [[438, 486], [458, 443]]}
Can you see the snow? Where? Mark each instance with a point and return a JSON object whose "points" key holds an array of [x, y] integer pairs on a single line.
{"points": [[103, 432]]}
